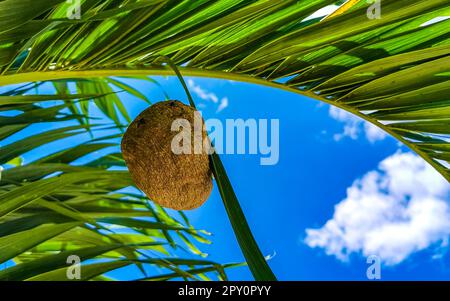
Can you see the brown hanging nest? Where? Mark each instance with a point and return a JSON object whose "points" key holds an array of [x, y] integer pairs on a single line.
{"points": [[177, 181]]}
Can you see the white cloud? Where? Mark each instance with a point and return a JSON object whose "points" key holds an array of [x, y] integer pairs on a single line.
{"points": [[353, 126], [325, 11], [373, 133], [203, 94], [208, 96], [392, 212]]}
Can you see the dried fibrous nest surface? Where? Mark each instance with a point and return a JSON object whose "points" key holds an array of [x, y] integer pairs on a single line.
{"points": [[177, 181]]}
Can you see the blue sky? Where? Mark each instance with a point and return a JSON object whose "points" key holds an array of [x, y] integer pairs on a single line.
{"points": [[397, 209], [322, 153]]}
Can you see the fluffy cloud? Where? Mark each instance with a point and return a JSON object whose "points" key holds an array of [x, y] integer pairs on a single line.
{"points": [[223, 104], [353, 126], [208, 96], [392, 212]]}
